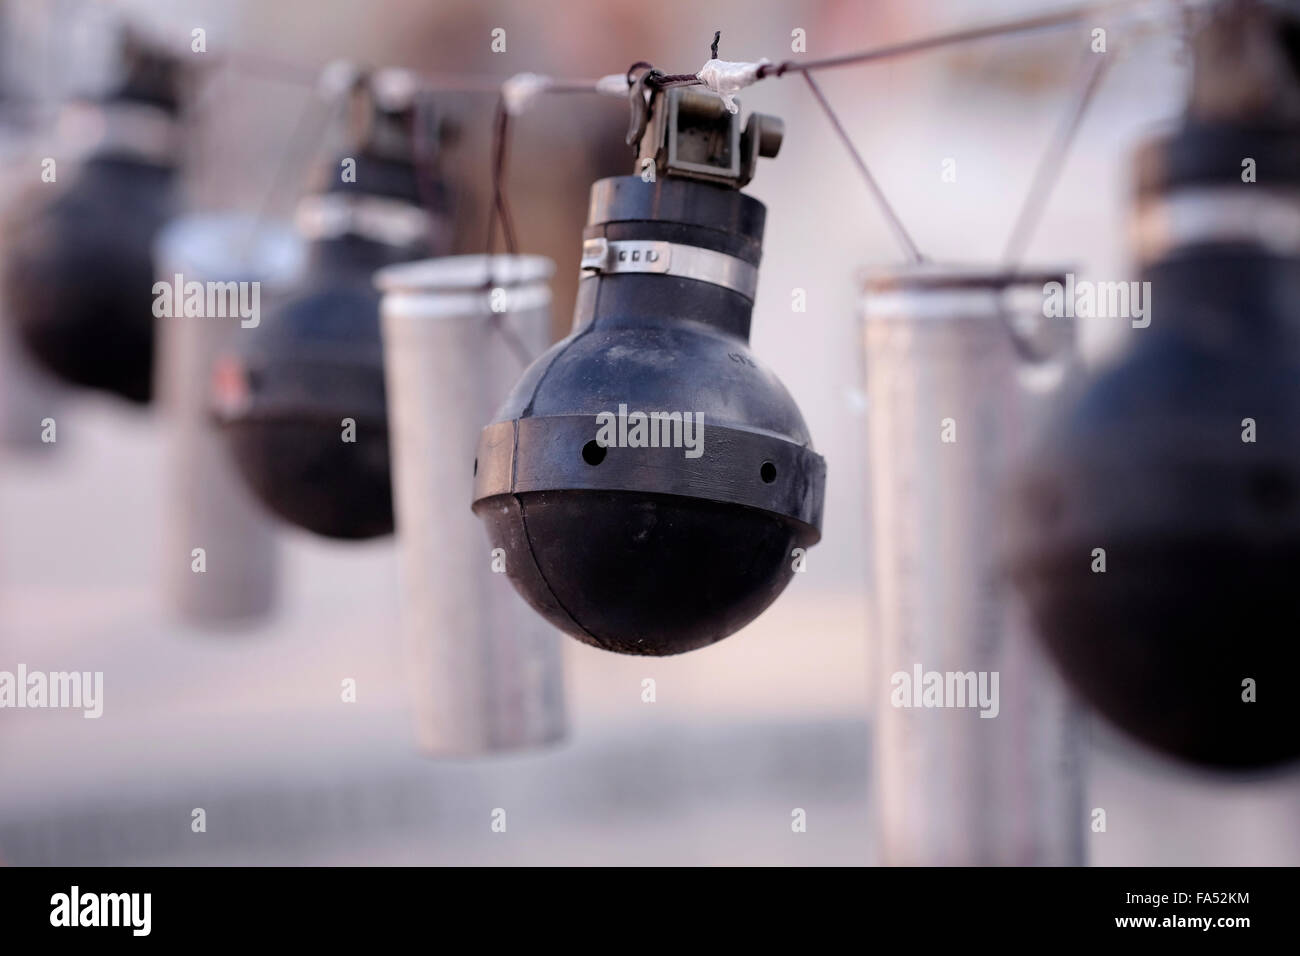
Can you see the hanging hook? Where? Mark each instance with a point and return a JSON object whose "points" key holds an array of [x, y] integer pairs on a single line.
{"points": [[638, 106]]}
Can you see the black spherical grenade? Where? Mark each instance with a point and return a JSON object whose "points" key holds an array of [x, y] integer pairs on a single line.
{"points": [[302, 402], [78, 265], [1157, 529], [648, 478]]}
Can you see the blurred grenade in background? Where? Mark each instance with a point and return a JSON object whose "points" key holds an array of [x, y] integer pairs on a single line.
{"points": [[301, 402], [1156, 531], [78, 268]]}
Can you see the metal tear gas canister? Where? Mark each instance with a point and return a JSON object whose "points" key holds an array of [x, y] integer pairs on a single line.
{"points": [[309, 429], [487, 673], [623, 525], [976, 749], [78, 257], [223, 259], [1157, 533]]}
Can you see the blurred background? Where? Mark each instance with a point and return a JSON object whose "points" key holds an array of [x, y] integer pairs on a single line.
{"points": [[249, 725]]}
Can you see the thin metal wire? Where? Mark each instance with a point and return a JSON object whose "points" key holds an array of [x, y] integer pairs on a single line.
{"points": [[1050, 165], [1048, 21], [1030, 212], [1048, 171], [664, 81], [500, 207], [896, 224], [291, 158], [277, 69]]}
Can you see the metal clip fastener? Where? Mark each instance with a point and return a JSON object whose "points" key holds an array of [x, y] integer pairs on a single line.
{"points": [[612, 257]]}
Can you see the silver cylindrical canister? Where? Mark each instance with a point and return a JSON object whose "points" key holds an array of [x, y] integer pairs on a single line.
{"points": [[215, 275], [976, 757], [487, 672]]}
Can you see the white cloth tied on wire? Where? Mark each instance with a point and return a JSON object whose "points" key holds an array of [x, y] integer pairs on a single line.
{"points": [[615, 84], [722, 77], [727, 79]]}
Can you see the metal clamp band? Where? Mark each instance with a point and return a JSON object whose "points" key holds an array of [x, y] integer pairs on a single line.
{"points": [[615, 256], [1265, 217]]}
